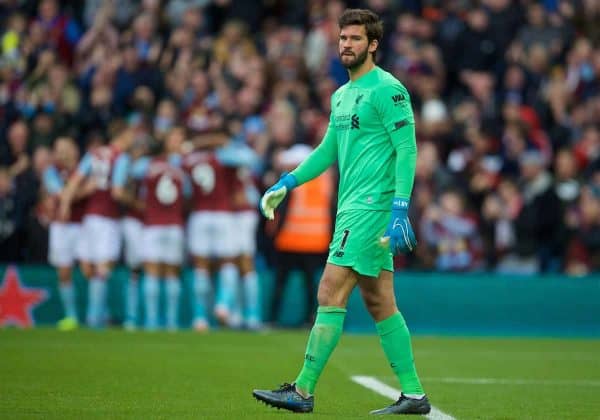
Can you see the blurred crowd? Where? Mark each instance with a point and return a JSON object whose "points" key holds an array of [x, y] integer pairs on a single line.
{"points": [[506, 95]]}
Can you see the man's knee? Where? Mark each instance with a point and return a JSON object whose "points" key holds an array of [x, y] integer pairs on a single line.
{"points": [[334, 289], [379, 306], [326, 296], [372, 300]]}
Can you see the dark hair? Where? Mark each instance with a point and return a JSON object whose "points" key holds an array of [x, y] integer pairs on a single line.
{"points": [[373, 25]]}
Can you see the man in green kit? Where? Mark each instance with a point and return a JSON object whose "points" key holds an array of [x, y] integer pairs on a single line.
{"points": [[371, 133]]}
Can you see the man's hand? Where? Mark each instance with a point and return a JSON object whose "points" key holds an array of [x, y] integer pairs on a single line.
{"points": [[399, 233], [275, 195]]}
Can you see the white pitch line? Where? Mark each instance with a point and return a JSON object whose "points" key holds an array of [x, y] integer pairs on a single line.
{"points": [[505, 381], [392, 393]]}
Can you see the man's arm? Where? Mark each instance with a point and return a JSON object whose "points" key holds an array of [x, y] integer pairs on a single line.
{"points": [[314, 165], [237, 154], [118, 189], [320, 159], [395, 111], [406, 160], [397, 117], [69, 192], [52, 181]]}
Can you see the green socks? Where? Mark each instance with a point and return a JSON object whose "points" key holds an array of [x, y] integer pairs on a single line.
{"points": [[395, 340], [325, 334], [323, 338]]}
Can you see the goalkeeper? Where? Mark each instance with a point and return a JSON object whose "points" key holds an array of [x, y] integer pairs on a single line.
{"points": [[371, 133]]}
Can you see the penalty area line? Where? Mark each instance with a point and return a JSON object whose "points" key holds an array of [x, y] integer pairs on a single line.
{"points": [[379, 387]]}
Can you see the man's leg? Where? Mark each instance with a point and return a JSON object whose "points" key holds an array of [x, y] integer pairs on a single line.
{"points": [[131, 298], [202, 291], [173, 290], [97, 291], [335, 287], [252, 311], [227, 291], [151, 290], [380, 300], [67, 295]]}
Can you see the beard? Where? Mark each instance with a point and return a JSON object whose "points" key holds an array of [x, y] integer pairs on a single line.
{"points": [[355, 61]]}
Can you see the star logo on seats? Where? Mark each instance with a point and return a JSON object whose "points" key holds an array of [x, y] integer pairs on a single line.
{"points": [[17, 301]]}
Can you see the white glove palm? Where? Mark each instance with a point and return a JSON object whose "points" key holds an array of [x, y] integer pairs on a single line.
{"points": [[270, 200], [275, 195]]}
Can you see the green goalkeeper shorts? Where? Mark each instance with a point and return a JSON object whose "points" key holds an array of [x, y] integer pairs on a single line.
{"points": [[356, 242]]}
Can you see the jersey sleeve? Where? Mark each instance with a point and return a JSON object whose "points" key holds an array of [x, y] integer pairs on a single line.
{"points": [[187, 188], [140, 167], [236, 155], [395, 110], [321, 158], [52, 181], [121, 170], [85, 165]]}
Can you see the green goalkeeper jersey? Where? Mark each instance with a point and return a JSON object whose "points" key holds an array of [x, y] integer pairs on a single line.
{"points": [[371, 133]]}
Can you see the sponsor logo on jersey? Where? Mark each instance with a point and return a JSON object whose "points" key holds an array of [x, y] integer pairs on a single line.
{"points": [[347, 122], [398, 98]]}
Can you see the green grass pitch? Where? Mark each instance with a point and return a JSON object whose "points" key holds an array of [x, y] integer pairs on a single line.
{"points": [[119, 375]]}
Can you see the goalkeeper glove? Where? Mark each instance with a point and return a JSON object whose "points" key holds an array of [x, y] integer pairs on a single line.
{"points": [[400, 234], [275, 195]]}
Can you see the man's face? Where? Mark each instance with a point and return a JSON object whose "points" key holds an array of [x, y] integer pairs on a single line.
{"points": [[354, 46], [174, 140]]}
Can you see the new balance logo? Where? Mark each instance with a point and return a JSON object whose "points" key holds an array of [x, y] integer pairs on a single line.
{"points": [[309, 357], [339, 254], [355, 122], [358, 99], [398, 98]]}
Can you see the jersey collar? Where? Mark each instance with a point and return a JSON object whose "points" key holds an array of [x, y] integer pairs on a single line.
{"points": [[366, 79]]}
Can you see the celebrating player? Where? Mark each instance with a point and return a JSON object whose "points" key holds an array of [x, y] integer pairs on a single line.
{"points": [[372, 135], [65, 235], [164, 184], [100, 228], [245, 199], [131, 227]]}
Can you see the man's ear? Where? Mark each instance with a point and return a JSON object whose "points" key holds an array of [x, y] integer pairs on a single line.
{"points": [[373, 46]]}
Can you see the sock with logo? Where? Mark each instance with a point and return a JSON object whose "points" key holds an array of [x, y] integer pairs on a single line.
{"points": [[395, 340], [323, 339]]}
